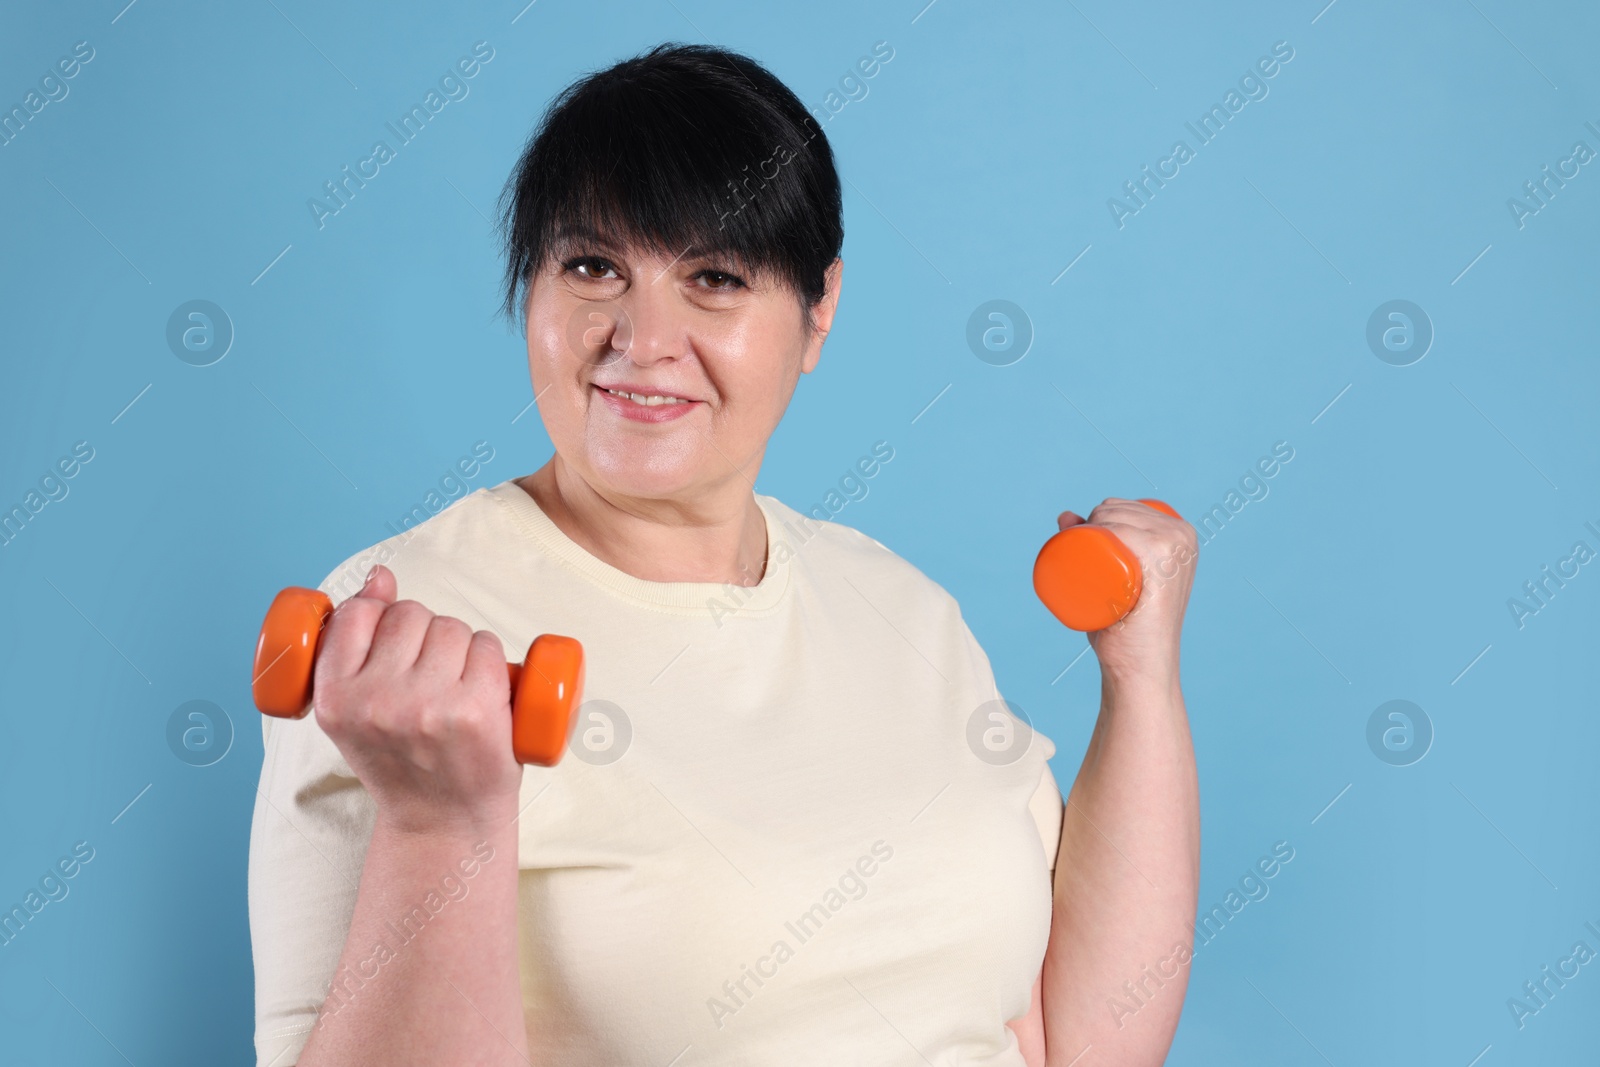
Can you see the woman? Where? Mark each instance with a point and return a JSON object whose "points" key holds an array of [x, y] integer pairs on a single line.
{"points": [[796, 823]]}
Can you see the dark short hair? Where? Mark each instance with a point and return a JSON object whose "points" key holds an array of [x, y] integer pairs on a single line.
{"points": [[672, 148]]}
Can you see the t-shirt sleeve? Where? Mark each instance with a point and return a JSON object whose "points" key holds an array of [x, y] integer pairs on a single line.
{"points": [[1047, 808], [1045, 804], [308, 842]]}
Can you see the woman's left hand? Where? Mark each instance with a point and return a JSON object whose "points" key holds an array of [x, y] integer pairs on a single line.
{"points": [[1143, 645]]}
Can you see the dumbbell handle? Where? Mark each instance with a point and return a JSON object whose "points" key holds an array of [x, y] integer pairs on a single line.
{"points": [[546, 687], [1087, 577]]}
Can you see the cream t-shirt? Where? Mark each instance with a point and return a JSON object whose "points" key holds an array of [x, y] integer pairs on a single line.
{"points": [[795, 824]]}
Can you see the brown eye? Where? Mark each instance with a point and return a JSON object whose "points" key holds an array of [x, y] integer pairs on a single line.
{"points": [[721, 280], [590, 267]]}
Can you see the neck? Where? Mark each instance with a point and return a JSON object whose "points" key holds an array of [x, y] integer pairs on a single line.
{"points": [[720, 536]]}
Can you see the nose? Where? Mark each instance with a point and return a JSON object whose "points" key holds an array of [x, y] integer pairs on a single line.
{"points": [[652, 320]]}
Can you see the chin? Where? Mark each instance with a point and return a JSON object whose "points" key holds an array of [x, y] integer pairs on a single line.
{"points": [[643, 469]]}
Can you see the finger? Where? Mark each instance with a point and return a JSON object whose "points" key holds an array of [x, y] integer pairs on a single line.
{"points": [[1157, 554], [486, 661], [1069, 518], [444, 647], [1145, 508], [347, 638], [1127, 511], [381, 584], [1136, 510], [1128, 533], [398, 637]]}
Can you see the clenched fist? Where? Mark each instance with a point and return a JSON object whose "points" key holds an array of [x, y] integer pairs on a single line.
{"points": [[420, 707], [1143, 645]]}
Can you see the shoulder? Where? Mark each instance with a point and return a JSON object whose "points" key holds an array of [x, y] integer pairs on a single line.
{"points": [[920, 609], [814, 544], [422, 541], [858, 575]]}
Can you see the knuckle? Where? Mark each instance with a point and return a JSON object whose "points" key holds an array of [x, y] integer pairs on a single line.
{"points": [[407, 615], [410, 609], [354, 615], [327, 706], [432, 725], [451, 627], [335, 712]]}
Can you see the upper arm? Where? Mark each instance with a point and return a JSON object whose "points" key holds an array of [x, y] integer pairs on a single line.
{"points": [[1046, 807], [308, 835], [1030, 1028]]}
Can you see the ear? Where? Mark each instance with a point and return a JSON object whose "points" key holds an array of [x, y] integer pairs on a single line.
{"points": [[822, 315]]}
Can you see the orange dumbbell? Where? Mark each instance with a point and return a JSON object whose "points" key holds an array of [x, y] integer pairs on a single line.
{"points": [[545, 687], [1087, 577]]}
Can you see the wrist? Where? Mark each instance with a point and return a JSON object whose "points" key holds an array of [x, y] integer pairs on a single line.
{"points": [[446, 829], [1143, 681]]}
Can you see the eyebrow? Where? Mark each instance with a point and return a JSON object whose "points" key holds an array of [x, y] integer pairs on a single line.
{"points": [[567, 236]]}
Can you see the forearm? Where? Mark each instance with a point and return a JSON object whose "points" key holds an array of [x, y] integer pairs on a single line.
{"points": [[1127, 879], [429, 970]]}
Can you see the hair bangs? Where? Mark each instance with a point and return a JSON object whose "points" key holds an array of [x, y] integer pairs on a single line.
{"points": [[684, 152]]}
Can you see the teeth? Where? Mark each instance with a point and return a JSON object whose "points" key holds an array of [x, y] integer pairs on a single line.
{"points": [[648, 401]]}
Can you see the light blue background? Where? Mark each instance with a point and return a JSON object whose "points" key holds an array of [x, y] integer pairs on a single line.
{"points": [[1223, 317]]}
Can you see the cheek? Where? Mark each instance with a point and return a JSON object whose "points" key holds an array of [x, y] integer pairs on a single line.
{"points": [[553, 369], [546, 321], [544, 343], [760, 361]]}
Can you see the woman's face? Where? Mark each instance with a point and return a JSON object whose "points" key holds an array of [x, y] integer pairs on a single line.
{"points": [[714, 354]]}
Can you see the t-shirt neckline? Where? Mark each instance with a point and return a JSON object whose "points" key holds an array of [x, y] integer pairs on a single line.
{"points": [[678, 597]]}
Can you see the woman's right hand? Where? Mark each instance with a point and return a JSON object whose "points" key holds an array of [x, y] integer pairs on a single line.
{"points": [[419, 705]]}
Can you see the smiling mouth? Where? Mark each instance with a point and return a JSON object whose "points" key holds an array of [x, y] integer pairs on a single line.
{"points": [[645, 400]]}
